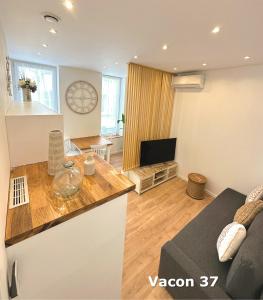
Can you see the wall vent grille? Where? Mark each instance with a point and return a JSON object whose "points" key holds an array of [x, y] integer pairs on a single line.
{"points": [[18, 194]]}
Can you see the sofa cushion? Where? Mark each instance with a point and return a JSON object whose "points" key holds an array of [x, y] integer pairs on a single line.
{"points": [[255, 194], [198, 239], [247, 212], [230, 240], [245, 277]]}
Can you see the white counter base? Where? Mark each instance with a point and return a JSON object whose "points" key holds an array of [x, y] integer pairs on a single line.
{"points": [[80, 258]]}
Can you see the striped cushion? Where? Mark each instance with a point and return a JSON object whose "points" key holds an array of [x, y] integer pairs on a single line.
{"points": [[247, 212]]}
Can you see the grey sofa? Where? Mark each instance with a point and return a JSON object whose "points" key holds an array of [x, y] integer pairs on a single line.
{"points": [[192, 253]]}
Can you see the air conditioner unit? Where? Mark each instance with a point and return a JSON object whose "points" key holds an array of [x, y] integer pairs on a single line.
{"points": [[196, 81]]}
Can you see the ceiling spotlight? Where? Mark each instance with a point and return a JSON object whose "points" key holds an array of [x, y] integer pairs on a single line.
{"points": [[216, 30], [44, 45], [175, 68], [52, 30], [204, 64], [247, 57], [135, 57], [164, 47], [68, 4], [116, 63]]}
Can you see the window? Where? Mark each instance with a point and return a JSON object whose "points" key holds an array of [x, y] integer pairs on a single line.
{"points": [[112, 105], [45, 78]]}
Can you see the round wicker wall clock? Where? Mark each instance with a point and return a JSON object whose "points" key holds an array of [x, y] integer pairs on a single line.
{"points": [[81, 97]]}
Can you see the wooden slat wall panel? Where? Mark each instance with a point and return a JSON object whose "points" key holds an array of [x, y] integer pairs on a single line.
{"points": [[131, 113], [148, 111], [166, 108]]}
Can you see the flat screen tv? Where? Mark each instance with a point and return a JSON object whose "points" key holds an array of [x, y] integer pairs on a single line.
{"points": [[157, 151]]}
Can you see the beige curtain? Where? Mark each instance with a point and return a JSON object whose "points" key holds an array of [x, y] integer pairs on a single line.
{"points": [[148, 110]]}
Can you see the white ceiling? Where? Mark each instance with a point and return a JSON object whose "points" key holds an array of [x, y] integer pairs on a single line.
{"points": [[98, 33]]}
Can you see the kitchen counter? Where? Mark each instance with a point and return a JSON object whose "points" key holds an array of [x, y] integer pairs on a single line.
{"points": [[45, 210]]}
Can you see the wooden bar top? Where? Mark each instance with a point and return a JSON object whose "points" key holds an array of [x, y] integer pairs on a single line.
{"points": [[85, 142], [45, 210]]}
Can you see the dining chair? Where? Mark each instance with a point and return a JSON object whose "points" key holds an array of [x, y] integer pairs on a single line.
{"points": [[71, 149], [100, 150]]}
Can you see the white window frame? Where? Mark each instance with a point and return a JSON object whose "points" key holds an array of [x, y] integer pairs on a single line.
{"points": [[120, 104], [15, 78]]}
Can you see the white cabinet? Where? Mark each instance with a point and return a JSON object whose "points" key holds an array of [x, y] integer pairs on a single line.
{"points": [[148, 177], [80, 258]]}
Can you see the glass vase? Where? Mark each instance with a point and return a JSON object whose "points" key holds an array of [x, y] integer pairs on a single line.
{"points": [[67, 181]]}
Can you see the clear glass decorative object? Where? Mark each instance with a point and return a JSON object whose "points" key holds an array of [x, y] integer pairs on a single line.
{"points": [[67, 181]]}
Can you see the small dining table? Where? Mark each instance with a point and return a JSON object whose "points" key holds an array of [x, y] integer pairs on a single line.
{"points": [[84, 143]]}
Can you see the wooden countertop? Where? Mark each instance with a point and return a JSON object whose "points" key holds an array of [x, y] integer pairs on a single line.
{"points": [[45, 210], [85, 142]]}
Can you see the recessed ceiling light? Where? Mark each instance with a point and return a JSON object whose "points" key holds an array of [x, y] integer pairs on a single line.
{"points": [[49, 17], [52, 30], [175, 68], [44, 45], [116, 63], [164, 47], [204, 64], [135, 57], [216, 30], [68, 4], [38, 53], [247, 57]]}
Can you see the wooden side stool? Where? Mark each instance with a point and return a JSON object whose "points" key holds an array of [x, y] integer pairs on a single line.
{"points": [[196, 186]]}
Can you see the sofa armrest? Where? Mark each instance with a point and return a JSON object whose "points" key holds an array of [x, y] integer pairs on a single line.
{"points": [[175, 264]]}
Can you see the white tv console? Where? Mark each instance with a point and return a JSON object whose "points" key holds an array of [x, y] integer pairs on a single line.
{"points": [[148, 177]]}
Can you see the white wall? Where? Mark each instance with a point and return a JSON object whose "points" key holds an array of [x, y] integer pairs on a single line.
{"points": [[4, 169], [219, 129], [28, 137], [77, 125]]}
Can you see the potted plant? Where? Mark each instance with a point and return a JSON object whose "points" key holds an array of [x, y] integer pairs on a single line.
{"points": [[121, 120], [28, 86]]}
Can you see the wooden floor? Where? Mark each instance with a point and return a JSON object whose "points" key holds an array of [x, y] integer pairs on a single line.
{"points": [[116, 161], [152, 219]]}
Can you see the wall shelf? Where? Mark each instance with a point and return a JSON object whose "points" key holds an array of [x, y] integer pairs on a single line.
{"points": [[33, 108]]}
